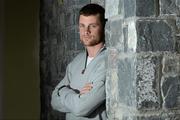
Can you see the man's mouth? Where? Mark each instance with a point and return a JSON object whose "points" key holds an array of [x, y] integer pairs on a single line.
{"points": [[87, 36]]}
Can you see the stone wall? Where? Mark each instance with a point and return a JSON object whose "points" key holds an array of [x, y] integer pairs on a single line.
{"points": [[59, 43], [143, 77]]}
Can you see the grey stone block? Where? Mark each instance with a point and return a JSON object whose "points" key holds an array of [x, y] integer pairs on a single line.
{"points": [[112, 97], [70, 18], [129, 8], [125, 34], [178, 44], [171, 64], [100, 2], [71, 39], [140, 8], [171, 92], [157, 116], [130, 36], [107, 33], [114, 35], [68, 2], [82, 2], [178, 24], [148, 73], [112, 58], [116, 32], [155, 35], [112, 85], [61, 21], [146, 8], [162, 116], [150, 117], [178, 3], [127, 81], [169, 7], [113, 8]]}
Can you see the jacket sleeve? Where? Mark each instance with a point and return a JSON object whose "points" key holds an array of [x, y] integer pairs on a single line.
{"points": [[56, 101], [86, 103]]}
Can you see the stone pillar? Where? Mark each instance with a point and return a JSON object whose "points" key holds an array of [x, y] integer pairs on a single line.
{"points": [[143, 63]]}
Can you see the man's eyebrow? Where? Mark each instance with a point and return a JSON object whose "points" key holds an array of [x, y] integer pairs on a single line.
{"points": [[93, 24], [89, 24], [81, 24]]}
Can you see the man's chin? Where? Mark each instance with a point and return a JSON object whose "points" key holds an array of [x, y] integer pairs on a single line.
{"points": [[89, 44], [86, 39]]}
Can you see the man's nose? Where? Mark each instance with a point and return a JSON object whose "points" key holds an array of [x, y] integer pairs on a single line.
{"points": [[87, 30]]}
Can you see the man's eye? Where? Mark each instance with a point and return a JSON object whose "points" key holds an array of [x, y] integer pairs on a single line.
{"points": [[81, 26], [92, 26]]}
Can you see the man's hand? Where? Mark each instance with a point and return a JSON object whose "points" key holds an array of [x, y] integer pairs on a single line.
{"points": [[86, 88]]}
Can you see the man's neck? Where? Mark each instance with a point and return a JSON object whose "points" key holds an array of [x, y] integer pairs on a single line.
{"points": [[93, 50]]}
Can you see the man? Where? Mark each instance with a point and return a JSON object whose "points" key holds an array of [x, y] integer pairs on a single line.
{"points": [[81, 94]]}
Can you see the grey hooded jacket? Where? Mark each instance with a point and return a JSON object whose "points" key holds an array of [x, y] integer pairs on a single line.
{"points": [[89, 106]]}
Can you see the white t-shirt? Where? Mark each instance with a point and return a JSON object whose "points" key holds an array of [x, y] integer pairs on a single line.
{"points": [[89, 59]]}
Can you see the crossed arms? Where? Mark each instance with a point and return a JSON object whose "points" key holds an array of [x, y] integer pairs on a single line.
{"points": [[84, 101]]}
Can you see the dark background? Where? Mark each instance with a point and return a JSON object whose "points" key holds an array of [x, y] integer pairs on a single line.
{"points": [[19, 61]]}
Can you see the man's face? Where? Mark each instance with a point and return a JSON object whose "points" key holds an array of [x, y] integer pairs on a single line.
{"points": [[91, 30]]}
